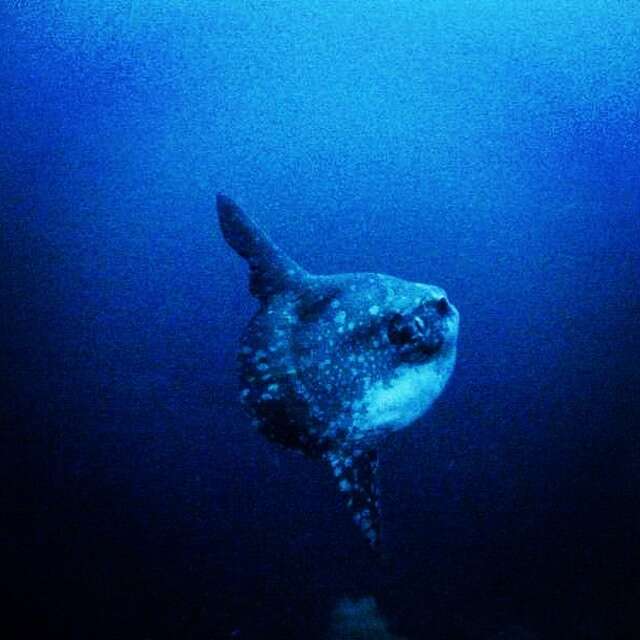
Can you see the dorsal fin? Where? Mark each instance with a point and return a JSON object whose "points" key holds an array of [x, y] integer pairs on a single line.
{"points": [[357, 473], [271, 270]]}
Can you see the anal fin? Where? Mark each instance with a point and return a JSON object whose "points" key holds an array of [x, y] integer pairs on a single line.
{"points": [[356, 472]]}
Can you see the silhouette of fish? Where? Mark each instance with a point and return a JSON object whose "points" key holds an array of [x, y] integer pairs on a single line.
{"points": [[330, 365]]}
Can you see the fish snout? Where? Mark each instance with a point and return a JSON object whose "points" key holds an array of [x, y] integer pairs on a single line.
{"points": [[442, 306], [444, 311]]}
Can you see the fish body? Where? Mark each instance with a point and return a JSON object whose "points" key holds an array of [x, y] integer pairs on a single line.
{"points": [[330, 365]]}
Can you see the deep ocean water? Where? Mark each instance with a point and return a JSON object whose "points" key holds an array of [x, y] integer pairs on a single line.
{"points": [[492, 149]]}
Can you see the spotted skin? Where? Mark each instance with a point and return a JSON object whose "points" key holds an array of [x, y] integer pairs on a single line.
{"points": [[330, 365]]}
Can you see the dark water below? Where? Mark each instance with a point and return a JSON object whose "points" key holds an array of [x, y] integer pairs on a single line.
{"points": [[492, 150]]}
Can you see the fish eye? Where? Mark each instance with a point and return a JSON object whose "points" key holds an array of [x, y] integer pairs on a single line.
{"points": [[400, 331]]}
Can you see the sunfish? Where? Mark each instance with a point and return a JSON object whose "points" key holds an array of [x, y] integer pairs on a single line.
{"points": [[330, 365]]}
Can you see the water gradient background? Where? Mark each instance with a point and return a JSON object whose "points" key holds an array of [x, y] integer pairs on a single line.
{"points": [[490, 148]]}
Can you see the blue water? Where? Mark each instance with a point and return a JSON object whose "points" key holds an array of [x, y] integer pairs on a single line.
{"points": [[492, 149]]}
